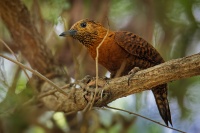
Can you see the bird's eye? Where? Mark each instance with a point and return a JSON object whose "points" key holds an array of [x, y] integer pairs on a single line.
{"points": [[84, 24]]}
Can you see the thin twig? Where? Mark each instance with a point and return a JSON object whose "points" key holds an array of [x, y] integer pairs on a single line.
{"points": [[15, 57], [96, 64], [14, 82], [69, 113], [3, 79], [47, 93], [52, 91], [36, 73], [145, 118], [29, 101]]}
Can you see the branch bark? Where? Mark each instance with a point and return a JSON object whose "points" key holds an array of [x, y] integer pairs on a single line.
{"points": [[116, 88], [26, 37]]}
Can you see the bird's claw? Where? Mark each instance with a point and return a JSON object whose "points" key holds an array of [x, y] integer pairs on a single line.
{"points": [[132, 73], [93, 94], [86, 79]]}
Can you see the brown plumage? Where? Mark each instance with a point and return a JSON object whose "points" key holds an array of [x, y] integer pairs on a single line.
{"points": [[121, 48]]}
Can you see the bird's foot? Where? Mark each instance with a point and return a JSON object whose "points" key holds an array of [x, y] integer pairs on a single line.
{"points": [[105, 78], [132, 73], [78, 84], [86, 79], [95, 92]]}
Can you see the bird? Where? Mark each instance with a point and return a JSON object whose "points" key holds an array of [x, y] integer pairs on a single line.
{"points": [[119, 53]]}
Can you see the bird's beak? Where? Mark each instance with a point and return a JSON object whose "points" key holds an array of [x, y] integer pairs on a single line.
{"points": [[68, 33]]}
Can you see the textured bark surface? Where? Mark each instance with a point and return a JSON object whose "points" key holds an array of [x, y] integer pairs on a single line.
{"points": [[31, 44], [116, 88]]}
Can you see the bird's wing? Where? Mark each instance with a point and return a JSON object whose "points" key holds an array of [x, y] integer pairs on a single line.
{"points": [[137, 46]]}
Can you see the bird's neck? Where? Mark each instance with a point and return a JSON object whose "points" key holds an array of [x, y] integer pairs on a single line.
{"points": [[94, 38], [100, 43], [100, 37]]}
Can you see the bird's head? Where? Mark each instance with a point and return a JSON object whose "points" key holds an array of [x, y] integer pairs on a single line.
{"points": [[87, 32]]}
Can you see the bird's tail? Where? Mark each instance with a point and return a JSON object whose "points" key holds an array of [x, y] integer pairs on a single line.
{"points": [[160, 94]]}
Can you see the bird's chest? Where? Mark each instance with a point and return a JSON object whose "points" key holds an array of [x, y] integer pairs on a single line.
{"points": [[111, 56]]}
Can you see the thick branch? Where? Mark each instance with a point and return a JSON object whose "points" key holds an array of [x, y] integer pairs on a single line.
{"points": [[17, 19], [143, 80]]}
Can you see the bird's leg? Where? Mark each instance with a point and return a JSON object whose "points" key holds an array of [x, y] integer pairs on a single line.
{"points": [[132, 73], [86, 79], [102, 91], [92, 89], [106, 78]]}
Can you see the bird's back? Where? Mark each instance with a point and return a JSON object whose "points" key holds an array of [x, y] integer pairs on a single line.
{"points": [[144, 55]]}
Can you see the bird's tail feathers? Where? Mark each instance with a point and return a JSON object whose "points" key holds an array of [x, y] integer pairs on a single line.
{"points": [[160, 94]]}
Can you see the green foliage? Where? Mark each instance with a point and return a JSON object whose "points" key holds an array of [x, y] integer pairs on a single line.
{"points": [[50, 9]]}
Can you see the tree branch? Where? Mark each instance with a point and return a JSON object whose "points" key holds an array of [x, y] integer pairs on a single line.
{"points": [[26, 37], [116, 88]]}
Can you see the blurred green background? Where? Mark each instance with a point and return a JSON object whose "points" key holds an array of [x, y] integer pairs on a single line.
{"points": [[171, 26]]}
